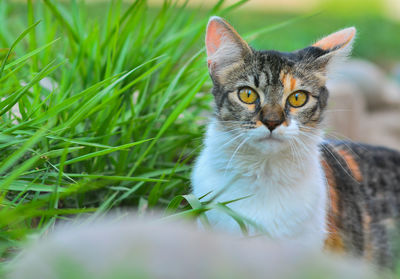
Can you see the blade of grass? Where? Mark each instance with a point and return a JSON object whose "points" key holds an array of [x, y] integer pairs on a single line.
{"points": [[19, 38]]}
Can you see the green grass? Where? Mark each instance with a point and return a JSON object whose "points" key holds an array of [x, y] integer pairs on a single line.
{"points": [[376, 39], [95, 114]]}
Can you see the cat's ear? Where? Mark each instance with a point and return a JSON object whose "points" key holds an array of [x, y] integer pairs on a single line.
{"points": [[339, 41], [224, 45], [335, 47]]}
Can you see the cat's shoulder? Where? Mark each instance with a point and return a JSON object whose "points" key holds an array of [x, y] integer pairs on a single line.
{"points": [[351, 162], [358, 151]]}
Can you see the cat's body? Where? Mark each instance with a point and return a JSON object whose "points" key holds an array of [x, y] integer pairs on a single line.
{"points": [[265, 143], [364, 191], [348, 202]]}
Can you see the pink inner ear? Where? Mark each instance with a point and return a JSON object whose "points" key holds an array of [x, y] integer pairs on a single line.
{"points": [[213, 38], [338, 39]]}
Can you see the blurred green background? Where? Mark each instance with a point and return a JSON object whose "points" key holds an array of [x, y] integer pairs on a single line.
{"points": [[377, 22]]}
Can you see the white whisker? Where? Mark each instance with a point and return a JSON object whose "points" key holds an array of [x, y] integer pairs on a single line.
{"points": [[234, 153]]}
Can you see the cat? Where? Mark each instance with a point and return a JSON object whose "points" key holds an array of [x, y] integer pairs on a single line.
{"points": [[265, 147]]}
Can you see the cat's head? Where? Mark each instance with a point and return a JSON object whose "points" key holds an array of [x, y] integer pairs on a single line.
{"points": [[270, 97]]}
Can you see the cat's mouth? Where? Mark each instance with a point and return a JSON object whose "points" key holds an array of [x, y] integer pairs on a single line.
{"points": [[270, 138]]}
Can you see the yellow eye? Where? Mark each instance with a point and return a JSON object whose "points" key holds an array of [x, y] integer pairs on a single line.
{"points": [[247, 95], [298, 99]]}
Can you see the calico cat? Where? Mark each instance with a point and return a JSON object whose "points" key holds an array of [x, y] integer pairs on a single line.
{"points": [[265, 144]]}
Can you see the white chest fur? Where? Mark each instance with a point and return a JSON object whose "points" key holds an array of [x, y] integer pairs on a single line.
{"points": [[286, 189]]}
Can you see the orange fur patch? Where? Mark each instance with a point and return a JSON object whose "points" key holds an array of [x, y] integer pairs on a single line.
{"points": [[292, 83], [332, 187], [351, 163], [334, 241], [286, 78], [289, 85], [282, 77]]}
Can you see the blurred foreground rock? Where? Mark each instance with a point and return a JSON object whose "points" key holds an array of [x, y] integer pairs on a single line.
{"points": [[152, 249], [364, 105]]}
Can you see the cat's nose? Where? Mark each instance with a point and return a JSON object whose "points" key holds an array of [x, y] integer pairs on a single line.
{"points": [[272, 124], [272, 116]]}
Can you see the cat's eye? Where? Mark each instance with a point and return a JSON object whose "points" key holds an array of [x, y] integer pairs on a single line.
{"points": [[298, 99], [247, 95]]}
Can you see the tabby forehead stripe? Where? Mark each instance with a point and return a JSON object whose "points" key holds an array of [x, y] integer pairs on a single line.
{"points": [[256, 80]]}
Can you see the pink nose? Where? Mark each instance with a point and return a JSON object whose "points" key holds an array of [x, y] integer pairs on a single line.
{"points": [[272, 124], [272, 115]]}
